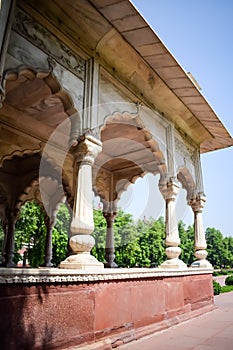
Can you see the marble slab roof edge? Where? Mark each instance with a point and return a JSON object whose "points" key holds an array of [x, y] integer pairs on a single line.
{"points": [[126, 19]]}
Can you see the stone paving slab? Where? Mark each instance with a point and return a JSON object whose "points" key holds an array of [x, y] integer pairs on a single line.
{"points": [[211, 331]]}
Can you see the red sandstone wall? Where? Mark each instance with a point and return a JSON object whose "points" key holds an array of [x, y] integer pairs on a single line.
{"points": [[61, 315]]}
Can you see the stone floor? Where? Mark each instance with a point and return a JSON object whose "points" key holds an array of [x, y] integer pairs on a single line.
{"points": [[211, 331]]}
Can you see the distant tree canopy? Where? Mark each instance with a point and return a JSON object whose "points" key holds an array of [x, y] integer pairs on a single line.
{"points": [[138, 243]]}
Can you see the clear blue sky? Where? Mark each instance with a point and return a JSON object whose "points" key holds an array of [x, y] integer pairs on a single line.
{"points": [[199, 34]]}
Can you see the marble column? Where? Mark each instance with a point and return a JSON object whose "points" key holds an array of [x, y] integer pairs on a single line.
{"points": [[200, 245], [5, 228], [109, 248], [82, 224], [169, 191], [11, 217], [49, 223]]}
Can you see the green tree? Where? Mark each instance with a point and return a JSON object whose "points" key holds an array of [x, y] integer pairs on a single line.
{"points": [[60, 235], [127, 249], [186, 243], [215, 247], [99, 235], [227, 259], [151, 241], [30, 231], [140, 244]]}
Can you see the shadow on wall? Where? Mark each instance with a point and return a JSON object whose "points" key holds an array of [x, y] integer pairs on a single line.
{"points": [[20, 325]]}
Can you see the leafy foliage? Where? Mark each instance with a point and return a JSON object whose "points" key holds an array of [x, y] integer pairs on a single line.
{"points": [[215, 246], [217, 287], [136, 243], [226, 289], [229, 280], [60, 235], [100, 235], [222, 272], [31, 232], [186, 243]]}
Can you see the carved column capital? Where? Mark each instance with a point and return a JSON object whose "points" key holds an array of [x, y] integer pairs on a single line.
{"points": [[110, 206], [110, 218], [197, 203], [87, 149], [169, 189], [49, 221], [12, 215]]}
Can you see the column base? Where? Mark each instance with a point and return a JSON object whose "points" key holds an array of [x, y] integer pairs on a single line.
{"points": [[82, 261], [173, 264], [112, 265], [8, 264], [47, 265], [204, 264]]}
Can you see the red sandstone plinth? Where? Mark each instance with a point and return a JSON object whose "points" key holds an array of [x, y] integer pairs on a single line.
{"points": [[56, 311]]}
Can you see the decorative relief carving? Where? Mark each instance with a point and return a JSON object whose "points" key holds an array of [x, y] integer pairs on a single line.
{"points": [[48, 277], [95, 132], [185, 150], [87, 149], [47, 42]]}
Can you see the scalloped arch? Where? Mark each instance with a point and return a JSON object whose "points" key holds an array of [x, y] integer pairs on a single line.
{"points": [[129, 152], [31, 190], [135, 120], [19, 153], [50, 80], [187, 181]]}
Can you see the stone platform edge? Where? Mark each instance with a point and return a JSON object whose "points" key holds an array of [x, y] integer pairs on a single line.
{"points": [[116, 340], [55, 275]]}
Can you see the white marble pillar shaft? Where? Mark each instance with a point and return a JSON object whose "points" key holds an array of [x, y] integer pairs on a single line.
{"points": [[172, 241], [82, 224], [200, 245]]}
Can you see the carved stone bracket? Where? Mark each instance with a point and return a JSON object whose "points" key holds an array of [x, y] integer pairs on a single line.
{"points": [[185, 150]]}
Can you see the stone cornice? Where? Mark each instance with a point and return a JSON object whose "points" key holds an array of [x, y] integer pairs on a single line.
{"points": [[54, 275]]}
